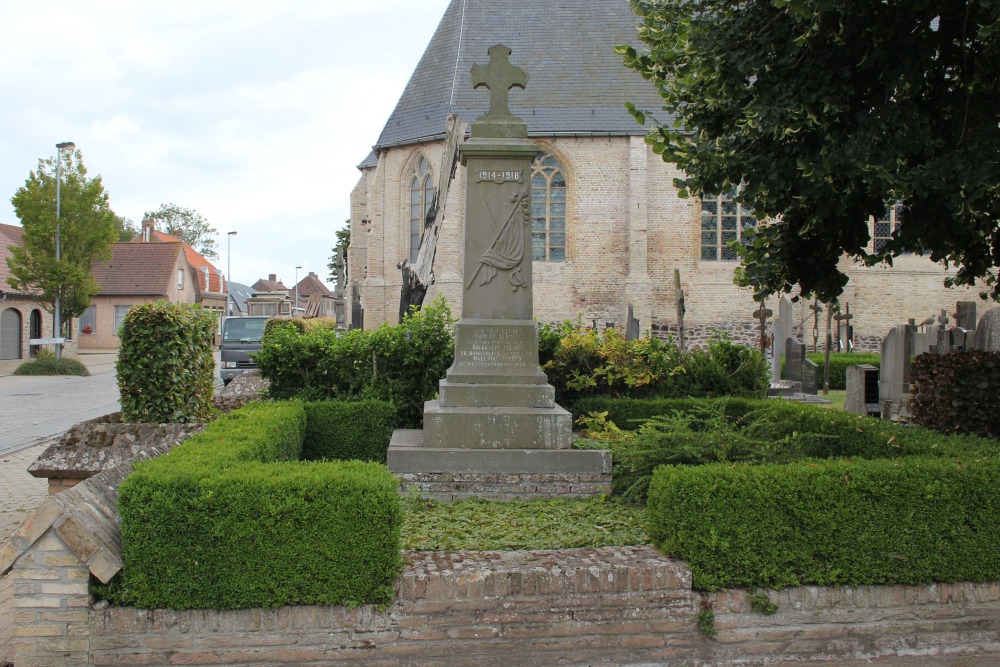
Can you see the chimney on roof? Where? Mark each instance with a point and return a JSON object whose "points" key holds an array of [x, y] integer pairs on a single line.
{"points": [[312, 273], [147, 230], [273, 277]]}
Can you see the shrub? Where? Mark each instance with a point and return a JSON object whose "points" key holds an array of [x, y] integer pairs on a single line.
{"points": [[693, 432], [44, 366], [300, 324], [228, 519], [342, 431], [958, 392], [165, 363], [584, 362], [834, 522], [400, 364]]}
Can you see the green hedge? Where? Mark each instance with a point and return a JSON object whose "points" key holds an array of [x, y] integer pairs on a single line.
{"points": [[833, 522], [166, 366], [839, 361], [692, 432], [52, 366], [341, 431], [229, 519], [402, 364]]}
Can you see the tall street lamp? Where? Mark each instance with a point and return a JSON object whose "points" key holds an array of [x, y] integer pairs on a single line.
{"points": [[57, 320], [229, 266], [295, 306]]}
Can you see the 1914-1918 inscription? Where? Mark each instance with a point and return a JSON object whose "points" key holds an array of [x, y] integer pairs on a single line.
{"points": [[499, 176]]}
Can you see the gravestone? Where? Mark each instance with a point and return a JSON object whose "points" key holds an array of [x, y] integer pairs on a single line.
{"points": [[862, 390], [782, 330], [958, 339], [987, 336], [795, 358], [965, 315], [496, 417], [894, 371], [632, 328], [810, 378]]}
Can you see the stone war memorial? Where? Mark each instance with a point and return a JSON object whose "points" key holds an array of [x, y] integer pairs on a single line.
{"points": [[496, 430]]}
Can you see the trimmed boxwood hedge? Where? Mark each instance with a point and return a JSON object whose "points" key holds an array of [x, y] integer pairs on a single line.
{"points": [[229, 519], [830, 522], [345, 430]]}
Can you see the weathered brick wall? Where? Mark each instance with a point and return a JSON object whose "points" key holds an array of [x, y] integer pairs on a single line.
{"points": [[627, 231], [6, 619]]}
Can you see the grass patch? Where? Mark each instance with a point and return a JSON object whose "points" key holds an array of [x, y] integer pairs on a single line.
{"points": [[482, 525], [837, 397], [52, 366]]}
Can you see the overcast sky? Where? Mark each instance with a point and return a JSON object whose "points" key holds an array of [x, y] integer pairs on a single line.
{"points": [[254, 113]]}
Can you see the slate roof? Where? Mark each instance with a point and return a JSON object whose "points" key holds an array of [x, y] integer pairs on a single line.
{"points": [[10, 235], [138, 269], [576, 86]]}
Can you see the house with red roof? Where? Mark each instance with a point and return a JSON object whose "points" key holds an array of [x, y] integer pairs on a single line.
{"points": [[24, 314], [151, 267]]}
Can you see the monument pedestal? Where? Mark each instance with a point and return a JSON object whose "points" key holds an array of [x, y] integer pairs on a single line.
{"points": [[496, 430]]}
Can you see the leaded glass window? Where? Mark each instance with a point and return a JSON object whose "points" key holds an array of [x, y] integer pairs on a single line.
{"points": [[548, 210], [723, 220], [884, 226], [421, 196]]}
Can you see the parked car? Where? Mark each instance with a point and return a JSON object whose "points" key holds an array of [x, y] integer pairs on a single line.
{"points": [[241, 337]]}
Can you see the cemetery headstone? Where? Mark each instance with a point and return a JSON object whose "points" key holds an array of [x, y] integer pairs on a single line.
{"points": [[632, 328], [987, 336], [781, 332], [795, 358], [894, 370], [810, 377], [862, 390], [965, 315], [958, 339]]}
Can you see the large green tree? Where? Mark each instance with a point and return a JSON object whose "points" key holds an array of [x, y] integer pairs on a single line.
{"points": [[87, 230], [187, 225], [824, 112]]}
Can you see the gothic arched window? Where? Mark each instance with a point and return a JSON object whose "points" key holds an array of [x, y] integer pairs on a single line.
{"points": [[548, 210], [723, 220], [421, 196]]}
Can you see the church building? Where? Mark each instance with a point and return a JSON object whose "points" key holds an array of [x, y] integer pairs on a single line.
{"points": [[608, 229]]}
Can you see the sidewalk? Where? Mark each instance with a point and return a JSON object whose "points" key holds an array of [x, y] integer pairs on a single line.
{"points": [[34, 412]]}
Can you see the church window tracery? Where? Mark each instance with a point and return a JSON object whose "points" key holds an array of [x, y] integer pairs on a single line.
{"points": [[884, 226], [723, 220], [421, 196], [548, 210]]}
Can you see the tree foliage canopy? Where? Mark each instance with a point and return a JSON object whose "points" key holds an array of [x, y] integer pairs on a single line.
{"points": [[343, 240], [86, 231], [187, 225], [823, 113]]}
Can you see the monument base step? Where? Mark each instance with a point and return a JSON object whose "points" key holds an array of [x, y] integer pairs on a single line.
{"points": [[461, 395], [497, 427], [799, 397], [453, 473]]}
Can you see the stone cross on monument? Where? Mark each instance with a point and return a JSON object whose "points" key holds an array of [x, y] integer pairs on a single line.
{"points": [[496, 418], [499, 76]]}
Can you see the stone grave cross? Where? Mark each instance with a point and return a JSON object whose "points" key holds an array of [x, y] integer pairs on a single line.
{"points": [[499, 76], [817, 309], [844, 323]]}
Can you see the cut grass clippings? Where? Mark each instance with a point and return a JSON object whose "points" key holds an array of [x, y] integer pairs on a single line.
{"points": [[483, 525]]}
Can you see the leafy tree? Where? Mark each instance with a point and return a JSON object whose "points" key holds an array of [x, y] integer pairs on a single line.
{"points": [[87, 230], [825, 112], [126, 228], [343, 241], [187, 225]]}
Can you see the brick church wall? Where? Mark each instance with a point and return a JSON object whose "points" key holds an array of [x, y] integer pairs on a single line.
{"points": [[627, 234]]}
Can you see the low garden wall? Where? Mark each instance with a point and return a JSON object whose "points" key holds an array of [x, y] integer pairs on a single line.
{"points": [[623, 605]]}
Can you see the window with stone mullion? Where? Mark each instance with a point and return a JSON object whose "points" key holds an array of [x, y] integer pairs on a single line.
{"points": [[884, 226], [548, 210], [723, 220], [421, 197]]}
